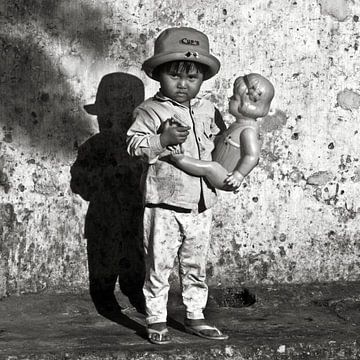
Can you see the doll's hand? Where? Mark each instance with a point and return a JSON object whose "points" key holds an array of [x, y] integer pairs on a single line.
{"points": [[234, 180], [173, 134]]}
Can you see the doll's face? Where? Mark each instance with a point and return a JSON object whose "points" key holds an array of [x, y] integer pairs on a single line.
{"points": [[235, 104], [252, 96]]}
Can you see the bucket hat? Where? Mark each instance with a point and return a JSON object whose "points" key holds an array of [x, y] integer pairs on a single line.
{"points": [[184, 44]]}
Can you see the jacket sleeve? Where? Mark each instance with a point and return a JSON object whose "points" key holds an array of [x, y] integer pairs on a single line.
{"points": [[143, 137]]}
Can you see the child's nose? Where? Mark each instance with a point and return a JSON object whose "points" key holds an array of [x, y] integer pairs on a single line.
{"points": [[182, 83]]}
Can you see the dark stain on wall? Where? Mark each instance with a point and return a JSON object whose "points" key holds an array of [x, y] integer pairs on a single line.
{"points": [[345, 213], [319, 178], [296, 175], [4, 180], [8, 216], [8, 228], [273, 122]]}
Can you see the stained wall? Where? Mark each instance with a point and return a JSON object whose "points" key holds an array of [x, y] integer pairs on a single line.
{"points": [[296, 217]]}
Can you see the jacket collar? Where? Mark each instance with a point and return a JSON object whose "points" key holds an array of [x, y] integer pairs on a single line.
{"points": [[161, 97]]}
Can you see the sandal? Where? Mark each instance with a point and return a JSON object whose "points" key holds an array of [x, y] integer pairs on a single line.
{"points": [[198, 330], [159, 340]]}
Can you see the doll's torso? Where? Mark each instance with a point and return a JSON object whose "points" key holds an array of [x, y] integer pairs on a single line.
{"points": [[228, 148]]}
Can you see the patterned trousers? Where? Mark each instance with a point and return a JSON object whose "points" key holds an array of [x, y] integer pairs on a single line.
{"points": [[169, 234]]}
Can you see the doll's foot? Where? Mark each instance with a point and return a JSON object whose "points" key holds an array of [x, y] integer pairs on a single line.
{"points": [[176, 155], [176, 149], [158, 334], [200, 328]]}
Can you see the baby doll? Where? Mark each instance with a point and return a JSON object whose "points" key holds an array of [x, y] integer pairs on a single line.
{"points": [[238, 148]]}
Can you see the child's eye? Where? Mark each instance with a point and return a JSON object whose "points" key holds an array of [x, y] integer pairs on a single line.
{"points": [[193, 77]]}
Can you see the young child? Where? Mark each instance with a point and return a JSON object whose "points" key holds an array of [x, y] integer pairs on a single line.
{"points": [[177, 212], [237, 150]]}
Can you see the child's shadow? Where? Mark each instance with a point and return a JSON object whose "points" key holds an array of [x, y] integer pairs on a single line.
{"points": [[106, 176]]}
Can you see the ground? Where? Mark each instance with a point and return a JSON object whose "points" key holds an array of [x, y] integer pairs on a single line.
{"points": [[319, 321]]}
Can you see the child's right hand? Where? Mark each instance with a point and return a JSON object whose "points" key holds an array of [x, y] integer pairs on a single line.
{"points": [[173, 134]]}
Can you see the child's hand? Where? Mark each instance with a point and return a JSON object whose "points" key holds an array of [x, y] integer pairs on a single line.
{"points": [[173, 134], [234, 180]]}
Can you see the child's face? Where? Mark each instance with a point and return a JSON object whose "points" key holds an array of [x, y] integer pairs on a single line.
{"points": [[180, 86]]}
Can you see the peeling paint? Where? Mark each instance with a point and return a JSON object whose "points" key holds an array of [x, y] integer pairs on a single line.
{"points": [[7, 215], [319, 178], [356, 177], [4, 181], [273, 122], [345, 213], [348, 99], [338, 9], [296, 175]]}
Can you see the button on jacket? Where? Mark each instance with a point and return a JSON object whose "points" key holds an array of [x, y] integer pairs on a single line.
{"points": [[162, 182]]}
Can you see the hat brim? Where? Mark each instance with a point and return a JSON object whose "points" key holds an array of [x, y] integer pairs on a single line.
{"points": [[212, 63], [91, 109]]}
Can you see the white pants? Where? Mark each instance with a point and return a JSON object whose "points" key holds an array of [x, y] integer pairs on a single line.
{"points": [[167, 234]]}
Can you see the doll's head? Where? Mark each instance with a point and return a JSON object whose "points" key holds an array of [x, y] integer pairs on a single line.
{"points": [[252, 96]]}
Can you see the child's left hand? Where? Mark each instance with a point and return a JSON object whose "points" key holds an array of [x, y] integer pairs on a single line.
{"points": [[234, 180]]}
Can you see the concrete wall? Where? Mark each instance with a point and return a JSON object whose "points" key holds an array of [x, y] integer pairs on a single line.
{"points": [[296, 217]]}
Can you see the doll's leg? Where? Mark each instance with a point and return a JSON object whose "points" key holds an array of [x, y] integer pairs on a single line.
{"points": [[213, 171]]}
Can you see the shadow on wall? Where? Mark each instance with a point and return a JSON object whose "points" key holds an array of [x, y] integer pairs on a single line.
{"points": [[38, 103], [106, 176], [38, 106], [40, 110]]}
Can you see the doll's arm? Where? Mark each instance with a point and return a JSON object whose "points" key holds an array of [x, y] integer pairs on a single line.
{"points": [[250, 151]]}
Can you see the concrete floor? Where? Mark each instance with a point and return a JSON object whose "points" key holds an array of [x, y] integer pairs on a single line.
{"points": [[292, 322]]}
